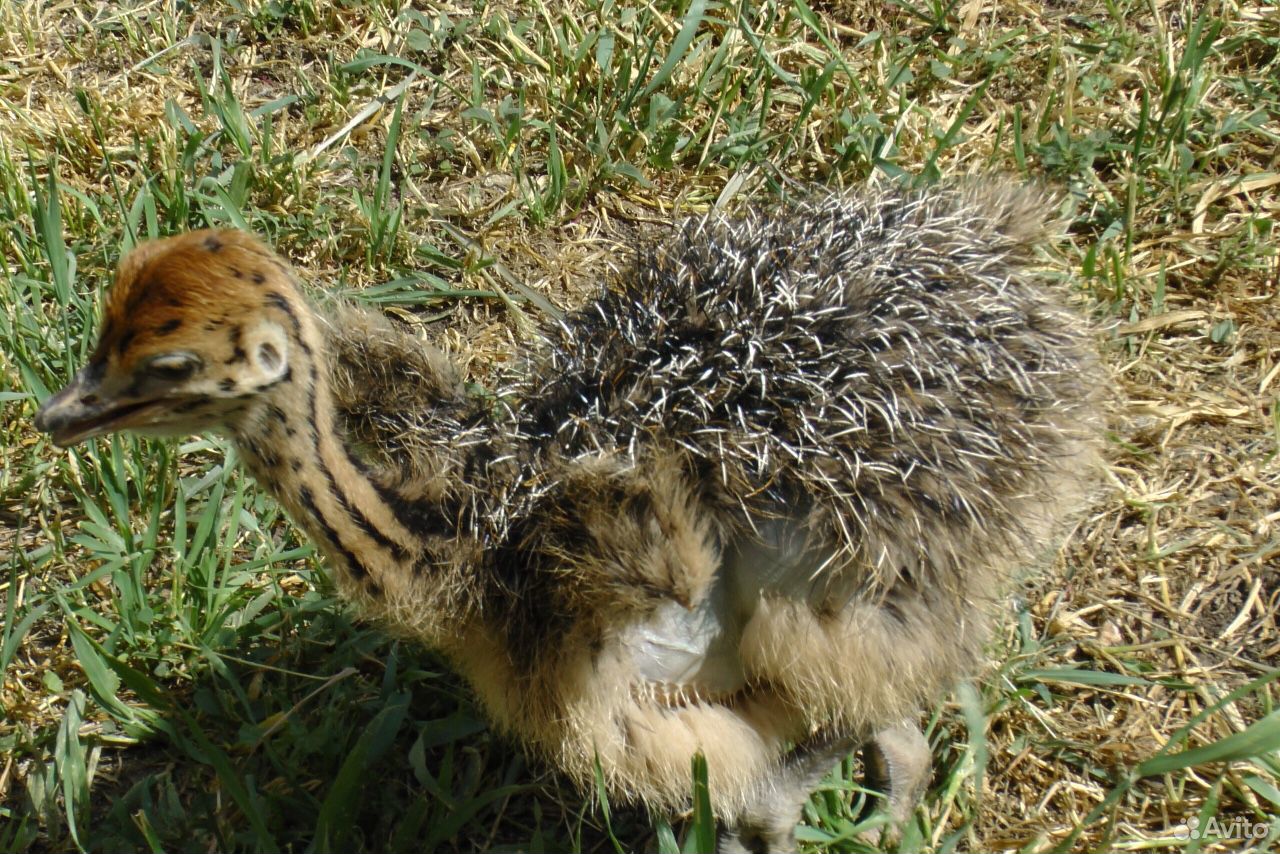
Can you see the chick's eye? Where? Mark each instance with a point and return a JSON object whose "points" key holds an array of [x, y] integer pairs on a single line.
{"points": [[178, 366]]}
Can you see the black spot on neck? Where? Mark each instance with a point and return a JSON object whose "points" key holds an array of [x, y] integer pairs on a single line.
{"points": [[237, 349], [212, 243]]}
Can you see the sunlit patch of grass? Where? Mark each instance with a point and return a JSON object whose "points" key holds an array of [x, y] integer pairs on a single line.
{"points": [[177, 672]]}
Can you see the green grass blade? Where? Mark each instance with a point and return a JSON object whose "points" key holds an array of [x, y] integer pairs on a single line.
{"points": [[702, 830], [1260, 738], [333, 826], [694, 17], [1076, 676], [48, 213], [69, 760]]}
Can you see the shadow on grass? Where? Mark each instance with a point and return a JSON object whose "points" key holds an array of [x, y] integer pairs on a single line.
{"points": [[334, 738]]}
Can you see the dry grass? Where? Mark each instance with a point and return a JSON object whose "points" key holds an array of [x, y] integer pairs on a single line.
{"points": [[163, 689]]}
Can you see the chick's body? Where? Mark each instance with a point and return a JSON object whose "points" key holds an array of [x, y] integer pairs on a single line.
{"points": [[754, 501], [764, 490]]}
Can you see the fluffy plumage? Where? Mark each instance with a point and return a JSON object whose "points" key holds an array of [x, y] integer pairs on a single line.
{"points": [[760, 493]]}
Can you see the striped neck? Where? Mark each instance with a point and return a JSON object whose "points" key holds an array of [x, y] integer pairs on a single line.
{"points": [[375, 538]]}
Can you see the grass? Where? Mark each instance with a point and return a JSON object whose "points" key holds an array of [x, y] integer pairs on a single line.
{"points": [[177, 673]]}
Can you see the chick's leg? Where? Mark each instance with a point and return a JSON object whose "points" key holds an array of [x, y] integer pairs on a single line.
{"points": [[770, 824], [897, 760]]}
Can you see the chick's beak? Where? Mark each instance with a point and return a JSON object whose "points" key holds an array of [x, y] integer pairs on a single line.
{"points": [[82, 410]]}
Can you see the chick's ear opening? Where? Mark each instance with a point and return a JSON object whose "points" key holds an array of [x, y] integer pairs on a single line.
{"points": [[268, 354]]}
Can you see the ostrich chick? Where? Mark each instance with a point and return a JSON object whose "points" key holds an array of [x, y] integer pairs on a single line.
{"points": [[754, 501]]}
